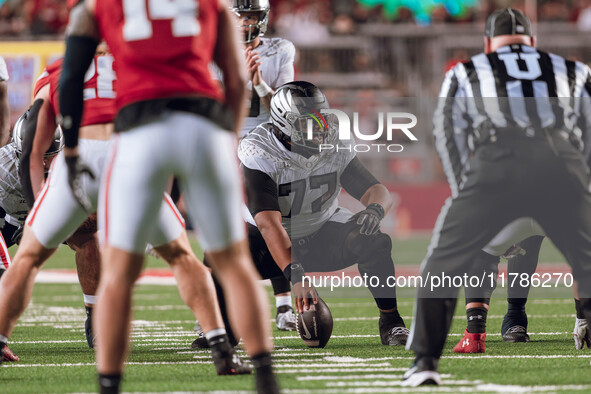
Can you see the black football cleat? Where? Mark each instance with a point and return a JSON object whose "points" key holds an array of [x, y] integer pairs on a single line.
{"points": [[200, 342], [516, 334], [225, 359], [394, 336], [423, 372], [514, 327]]}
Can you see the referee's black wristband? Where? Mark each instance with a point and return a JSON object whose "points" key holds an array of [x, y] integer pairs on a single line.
{"points": [[294, 272]]}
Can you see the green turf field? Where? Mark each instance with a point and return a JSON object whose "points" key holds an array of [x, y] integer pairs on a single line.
{"points": [[55, 358]]}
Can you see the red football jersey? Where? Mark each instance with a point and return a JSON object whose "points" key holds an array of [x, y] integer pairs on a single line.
{"points": [[99, 89], [163, 48]]}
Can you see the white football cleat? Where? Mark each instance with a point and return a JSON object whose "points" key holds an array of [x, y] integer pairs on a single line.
{"points": [[285, 319], [582, 334]]}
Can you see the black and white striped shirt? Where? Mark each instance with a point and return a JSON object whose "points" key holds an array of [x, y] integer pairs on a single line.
{"points": [[517, 88]]}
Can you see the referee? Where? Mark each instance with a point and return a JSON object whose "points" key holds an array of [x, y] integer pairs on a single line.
{"points": [[521, 111]]}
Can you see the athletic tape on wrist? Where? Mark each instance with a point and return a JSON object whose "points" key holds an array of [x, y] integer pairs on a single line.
{"points": [[263, 89]]}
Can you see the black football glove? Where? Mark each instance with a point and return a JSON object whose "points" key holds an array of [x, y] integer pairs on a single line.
{"points": [[369, 219], [77, 168], [17, 235]]}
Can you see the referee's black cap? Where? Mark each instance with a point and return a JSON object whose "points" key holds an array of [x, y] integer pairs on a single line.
{"points": [[507, 21]]}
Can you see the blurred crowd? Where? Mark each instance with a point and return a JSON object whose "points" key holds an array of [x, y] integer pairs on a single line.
{"points": [[305, 19], [33, 17], [302, 20]]}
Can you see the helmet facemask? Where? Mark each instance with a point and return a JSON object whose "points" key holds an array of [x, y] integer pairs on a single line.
{"points": [[252, 24], [310, 129], [296, 113]]}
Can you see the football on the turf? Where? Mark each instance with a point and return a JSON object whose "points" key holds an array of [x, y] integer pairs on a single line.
{"points": [[315, 324]]}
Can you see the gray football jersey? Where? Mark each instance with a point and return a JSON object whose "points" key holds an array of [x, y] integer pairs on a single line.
{"points": [[277, 57], [11, 192], [308, 189]]}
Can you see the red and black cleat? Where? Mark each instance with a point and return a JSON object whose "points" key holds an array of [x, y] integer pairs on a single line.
{"points": [[471, 343], [8, 355]]}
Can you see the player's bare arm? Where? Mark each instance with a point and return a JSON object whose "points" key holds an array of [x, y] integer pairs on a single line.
{"points": [[377, 194], [42, 141], [363, 186], [228, 56], [4, 114], [276, 238], [279, 244]]}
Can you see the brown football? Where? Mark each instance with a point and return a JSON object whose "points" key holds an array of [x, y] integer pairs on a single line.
{"points": [[315, 325]]}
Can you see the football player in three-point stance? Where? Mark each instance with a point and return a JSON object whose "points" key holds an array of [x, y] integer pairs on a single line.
{"points": [[292, 188], [172, 121]]}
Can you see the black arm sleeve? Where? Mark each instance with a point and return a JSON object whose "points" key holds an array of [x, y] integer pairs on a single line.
{"points": [[261, 191], [79, 54], [356, 179], [29, 130]]}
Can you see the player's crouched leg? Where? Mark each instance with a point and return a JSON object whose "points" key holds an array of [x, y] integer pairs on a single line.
{"points": [[374, 256], [85, 244], [16, 286]]}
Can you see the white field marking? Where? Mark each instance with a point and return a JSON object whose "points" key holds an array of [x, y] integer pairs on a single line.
{"points": [[484, 356], [451, 335], [353, 377], [324, 366], [459, 317], [16, 365], [275, 357], [396, 383], [339, 370], [531, 333], [499, 388], [46, 342], [550, 302], [490, 388], [190, 392], [346, 359], [333, 336]]}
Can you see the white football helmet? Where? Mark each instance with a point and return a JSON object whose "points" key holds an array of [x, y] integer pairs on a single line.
{"points": [[295, 113], [261, 9], [18, 138]]}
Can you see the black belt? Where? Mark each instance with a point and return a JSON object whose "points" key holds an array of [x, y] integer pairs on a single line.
{"points": [[147, 111]]}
